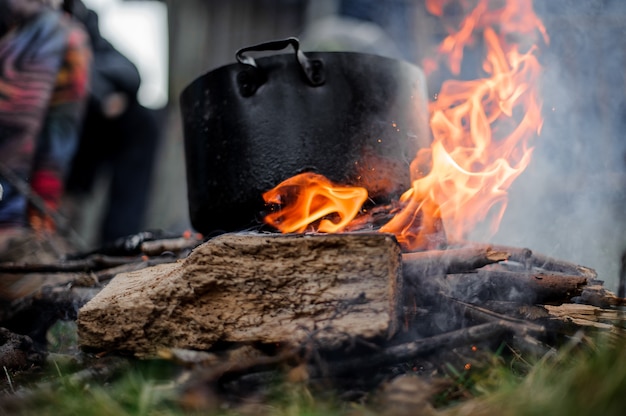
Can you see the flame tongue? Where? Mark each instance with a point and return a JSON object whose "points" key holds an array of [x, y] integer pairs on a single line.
{"points": [[481, 129], [511, 17], [309, 197]]}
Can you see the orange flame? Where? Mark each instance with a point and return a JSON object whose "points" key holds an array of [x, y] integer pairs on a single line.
{"points": [[309, 197], [513, 17], [481, 129]]}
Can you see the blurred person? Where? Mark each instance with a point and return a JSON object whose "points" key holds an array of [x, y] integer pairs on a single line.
{"points": [[44, 68], [119, 134]]}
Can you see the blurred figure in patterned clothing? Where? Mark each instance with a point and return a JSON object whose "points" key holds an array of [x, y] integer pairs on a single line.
{"points": [[119, 140], [44, 67]]}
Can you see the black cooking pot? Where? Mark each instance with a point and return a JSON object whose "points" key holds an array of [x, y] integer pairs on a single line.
{"points": [[358, 119]]}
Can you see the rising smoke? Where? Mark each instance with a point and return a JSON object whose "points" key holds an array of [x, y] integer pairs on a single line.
{"points": [[569, 203]]}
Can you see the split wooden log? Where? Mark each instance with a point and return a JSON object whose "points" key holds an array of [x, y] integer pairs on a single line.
{"points": [[588, 316], [264, 288]]}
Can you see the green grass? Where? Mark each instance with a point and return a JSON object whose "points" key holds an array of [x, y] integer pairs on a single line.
{"points": [[577, 380], [583, 378]]}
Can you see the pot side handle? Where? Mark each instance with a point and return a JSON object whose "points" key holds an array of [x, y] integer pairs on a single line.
{"points": [[313, 69]]}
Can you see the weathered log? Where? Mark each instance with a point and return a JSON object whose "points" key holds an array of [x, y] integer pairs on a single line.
{"points": [[265, 288], [440, 262]]}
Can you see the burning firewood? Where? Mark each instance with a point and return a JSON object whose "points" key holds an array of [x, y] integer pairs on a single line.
{"points": [[322, 307], [279, 289]]}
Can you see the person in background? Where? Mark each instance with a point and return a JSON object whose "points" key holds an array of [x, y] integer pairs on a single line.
{"points": [[118, 133], [44, 71]]}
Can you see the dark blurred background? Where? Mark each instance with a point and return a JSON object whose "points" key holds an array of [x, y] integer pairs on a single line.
{"points": [[568, 204]]}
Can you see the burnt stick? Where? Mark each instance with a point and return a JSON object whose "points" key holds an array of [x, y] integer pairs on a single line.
{"points": [[436, 262], [411, 350], [530, 260]]}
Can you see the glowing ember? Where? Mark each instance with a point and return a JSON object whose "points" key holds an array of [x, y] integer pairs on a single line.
{"points": [[309, 197], [481, 129]]}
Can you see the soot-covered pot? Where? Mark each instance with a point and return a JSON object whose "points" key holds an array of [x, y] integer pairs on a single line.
{"points": [[356, 118]]}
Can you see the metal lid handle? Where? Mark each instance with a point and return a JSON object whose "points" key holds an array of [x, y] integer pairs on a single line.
{"points": [[312, 68]]}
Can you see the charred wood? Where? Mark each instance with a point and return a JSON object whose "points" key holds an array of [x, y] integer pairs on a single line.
{"points": [[479, 313], [34, 314], [531, 260], [306, 369], [172, 245], [237, 285], [18, 351], [458, 260], [411, 350], [485, 285], [595, 294], [92, 263]]}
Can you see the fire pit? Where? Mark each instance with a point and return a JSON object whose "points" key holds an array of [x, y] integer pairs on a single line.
{"points": [[371, 276], [454, 293]]}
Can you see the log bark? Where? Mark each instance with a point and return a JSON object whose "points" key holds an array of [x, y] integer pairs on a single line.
{"points": [[253, 288]]}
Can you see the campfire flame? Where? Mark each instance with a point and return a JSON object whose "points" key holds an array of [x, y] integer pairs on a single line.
{"points": [[309, 197], [481, 131]]}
